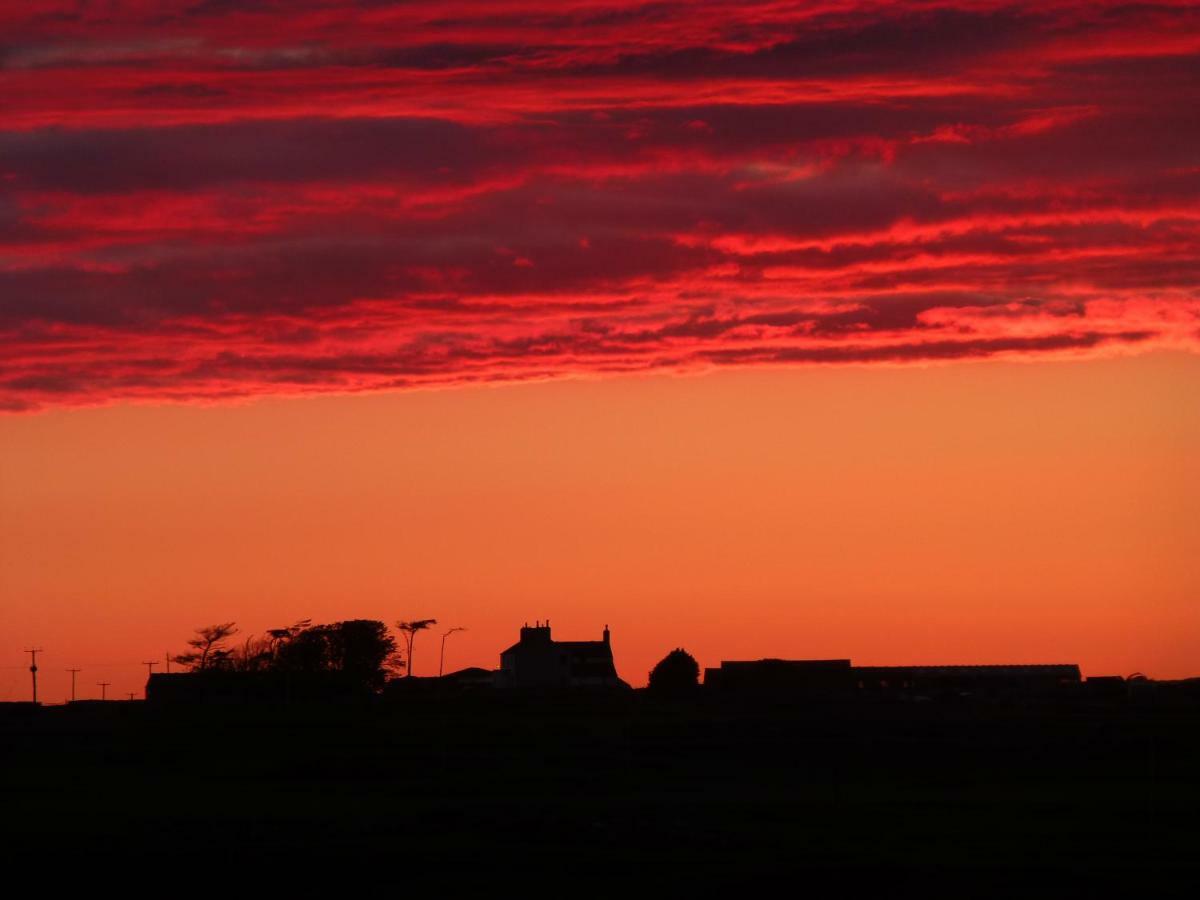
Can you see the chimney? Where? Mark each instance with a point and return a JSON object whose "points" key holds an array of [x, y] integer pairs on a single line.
{"points": [[540, 632]]}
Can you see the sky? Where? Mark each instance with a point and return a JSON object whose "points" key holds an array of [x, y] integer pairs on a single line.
{"points": [[831, 328]]}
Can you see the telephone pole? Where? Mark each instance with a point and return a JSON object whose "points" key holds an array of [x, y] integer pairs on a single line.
{"points": [[131, 693], [104, 689], [168, 656], [33, 669], [149, 674], [73, 672]]}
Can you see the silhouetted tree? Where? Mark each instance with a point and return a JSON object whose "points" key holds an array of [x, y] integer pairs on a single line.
{"points": [[281, 636], [262, 654], [677, 672], [361, 649], [254, 655], [410, 629], [305, 651], [208, 650]]}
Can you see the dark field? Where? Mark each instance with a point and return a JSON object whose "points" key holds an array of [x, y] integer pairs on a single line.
{"points": [[624, 780]]}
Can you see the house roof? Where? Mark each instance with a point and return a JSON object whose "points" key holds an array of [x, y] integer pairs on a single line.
{"points": [[469, 674], [572, 648]]}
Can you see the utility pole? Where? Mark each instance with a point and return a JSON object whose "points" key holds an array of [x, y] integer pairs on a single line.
{"points": [[33, 669], [104, 689], [168, 656], [442, 661], [149, 674], [73, 672], [131, 693]]}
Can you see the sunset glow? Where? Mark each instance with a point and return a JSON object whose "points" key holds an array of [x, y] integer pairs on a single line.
{"points": [[838, 328], [207, 200]]}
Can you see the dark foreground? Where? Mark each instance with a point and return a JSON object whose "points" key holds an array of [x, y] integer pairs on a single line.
{"points": [[664, 786]]}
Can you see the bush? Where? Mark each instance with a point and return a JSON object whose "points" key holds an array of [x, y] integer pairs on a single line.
{"points": [[677, 672]]}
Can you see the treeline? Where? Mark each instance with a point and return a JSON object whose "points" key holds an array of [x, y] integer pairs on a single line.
{"points": [[361, 650]]}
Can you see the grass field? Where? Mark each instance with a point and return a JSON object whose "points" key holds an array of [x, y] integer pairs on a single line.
{"points": [[628, 779]]}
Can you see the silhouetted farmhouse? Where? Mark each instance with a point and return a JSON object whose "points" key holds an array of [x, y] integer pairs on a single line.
{"points": [[538, 661], [835, 677]]}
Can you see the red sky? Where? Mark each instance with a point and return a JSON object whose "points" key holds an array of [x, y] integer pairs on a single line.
{"points": [[207, 201]]}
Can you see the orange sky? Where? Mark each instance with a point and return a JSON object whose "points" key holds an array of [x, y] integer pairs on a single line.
{"points": [[317, 206], [976, 512]]}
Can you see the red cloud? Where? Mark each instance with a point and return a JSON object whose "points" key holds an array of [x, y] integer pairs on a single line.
{"points": [[207, 200]]}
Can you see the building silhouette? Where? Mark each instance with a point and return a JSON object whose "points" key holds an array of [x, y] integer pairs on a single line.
{"points": [[539, 661], [794, 676], [838, 677]]}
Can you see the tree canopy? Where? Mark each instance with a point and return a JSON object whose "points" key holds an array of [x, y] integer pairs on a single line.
{"points": [[677, 672], [362, 650], [410, 627], [208, 648]]}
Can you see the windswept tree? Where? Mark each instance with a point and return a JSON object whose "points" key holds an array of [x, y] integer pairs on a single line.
{"points": [[281, 636], [208, 648], [365, 651], [410, 629], [277, 640], [360, 649], [254, 655], [676, 673]]}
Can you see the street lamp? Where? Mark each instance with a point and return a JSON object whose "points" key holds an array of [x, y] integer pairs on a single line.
{"points": [[442, 661]]}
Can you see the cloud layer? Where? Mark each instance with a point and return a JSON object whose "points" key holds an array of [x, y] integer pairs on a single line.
{"points": [[210, 199]]}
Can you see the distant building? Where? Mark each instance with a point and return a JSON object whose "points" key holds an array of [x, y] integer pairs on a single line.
{"points": [[1003, 679], [765, 676], [838, 677], [538, 661]]}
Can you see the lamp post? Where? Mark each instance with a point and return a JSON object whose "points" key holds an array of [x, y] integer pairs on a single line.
{"points": [[442, 661]]}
